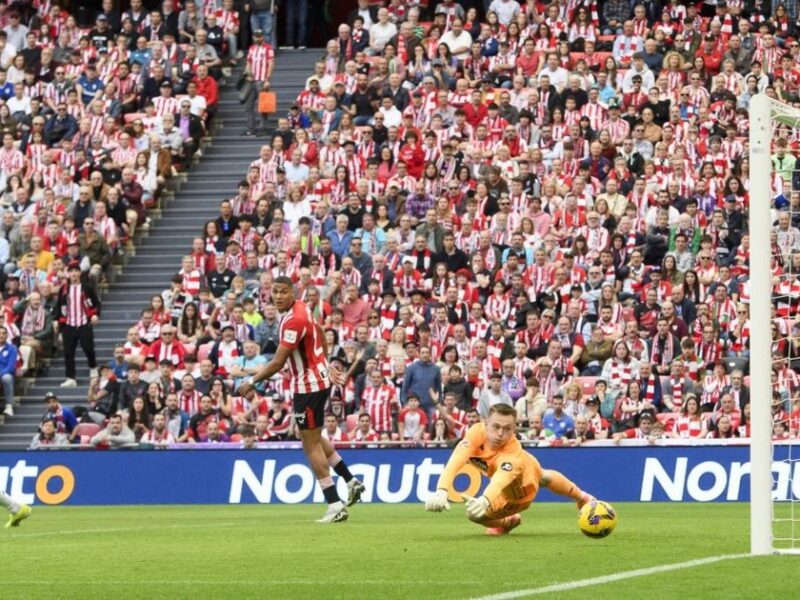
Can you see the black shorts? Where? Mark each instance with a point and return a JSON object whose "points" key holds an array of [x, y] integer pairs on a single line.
{"points": [[309, 409]]}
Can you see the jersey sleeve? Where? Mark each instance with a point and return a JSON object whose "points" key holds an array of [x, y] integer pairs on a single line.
{"points": [[291, 333], [509, 468], [462, 453]]}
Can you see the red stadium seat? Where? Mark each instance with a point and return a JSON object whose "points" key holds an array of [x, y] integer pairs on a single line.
{"points": [[203, 352], [587, 384], [131, 117], [351, 422], [87, 429], [236, 437]]}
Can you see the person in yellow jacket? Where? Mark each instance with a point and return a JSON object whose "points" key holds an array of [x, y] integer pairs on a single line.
{"points": [[515, 475]]}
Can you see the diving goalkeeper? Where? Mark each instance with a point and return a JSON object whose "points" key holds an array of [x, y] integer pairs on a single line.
{"points": [[515, 475]]}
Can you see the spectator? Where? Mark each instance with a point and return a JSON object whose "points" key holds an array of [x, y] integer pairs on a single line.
{"points": [[48, 436], [260, 63], [115, 435], [492, 395], [77, 311], [8, 369]]}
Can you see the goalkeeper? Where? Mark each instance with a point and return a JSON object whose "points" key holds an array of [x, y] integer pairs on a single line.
{"points": [[515, 475]]}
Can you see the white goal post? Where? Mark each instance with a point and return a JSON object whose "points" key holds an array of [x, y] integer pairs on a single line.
{"points": [[765, 115]]}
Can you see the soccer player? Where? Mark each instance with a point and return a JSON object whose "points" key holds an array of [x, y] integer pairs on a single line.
{"points": [[18, 511], [302, 345], [515, 475]]}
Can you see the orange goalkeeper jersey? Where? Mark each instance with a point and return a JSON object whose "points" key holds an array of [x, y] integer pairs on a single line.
{"points": [[513, 472]]}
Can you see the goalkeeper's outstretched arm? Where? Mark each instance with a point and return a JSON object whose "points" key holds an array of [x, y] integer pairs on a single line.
{"points": [[438, 501]]}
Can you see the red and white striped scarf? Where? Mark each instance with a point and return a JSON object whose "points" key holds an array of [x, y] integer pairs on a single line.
{"points": [[621, 374]]}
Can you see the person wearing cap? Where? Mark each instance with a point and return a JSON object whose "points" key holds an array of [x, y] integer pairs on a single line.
{"points": [[62, 416], [258, 71], [76, 311], [89, 85], [711, 52]]}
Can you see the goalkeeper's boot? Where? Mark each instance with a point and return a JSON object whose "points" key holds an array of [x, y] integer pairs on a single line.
{"points": [[511, 523], [354, 490], [585, 498], [23, 513], [336, 513]]}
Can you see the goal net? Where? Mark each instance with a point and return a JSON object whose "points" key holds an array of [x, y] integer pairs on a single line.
{"points": [[774, 352]]}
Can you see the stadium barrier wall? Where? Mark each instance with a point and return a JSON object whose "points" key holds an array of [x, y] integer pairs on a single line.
{"points": [[676, 474]]}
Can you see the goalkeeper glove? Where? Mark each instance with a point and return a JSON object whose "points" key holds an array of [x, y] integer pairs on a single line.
{"points": [[477, 507], [437, 502]]}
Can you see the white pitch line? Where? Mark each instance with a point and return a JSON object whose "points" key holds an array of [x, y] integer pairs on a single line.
{"points": [[24, 536], [582, 583]]}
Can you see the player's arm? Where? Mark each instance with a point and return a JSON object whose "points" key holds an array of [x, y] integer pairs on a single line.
{"points": [[438, 501], [272, 367], [290, 339]]}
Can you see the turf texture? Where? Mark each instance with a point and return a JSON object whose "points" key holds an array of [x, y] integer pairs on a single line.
{"points": [[382, 552]]}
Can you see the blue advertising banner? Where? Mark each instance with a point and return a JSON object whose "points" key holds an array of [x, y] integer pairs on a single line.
{"points": [[677, 474]]}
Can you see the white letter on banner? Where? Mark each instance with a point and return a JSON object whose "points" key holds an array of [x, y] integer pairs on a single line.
{"points": [[243, 474], [738, 471], [307, 481], [720, 481], [653, 471], [403, 492], [19, 473], [796, 482], [781, 472], [425, 470]]}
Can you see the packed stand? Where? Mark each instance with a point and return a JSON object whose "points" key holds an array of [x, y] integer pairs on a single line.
{"points": [[543, 206], [94, 123]]}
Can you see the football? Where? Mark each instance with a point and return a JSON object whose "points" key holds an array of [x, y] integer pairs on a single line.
{"points": [[597, 519]]}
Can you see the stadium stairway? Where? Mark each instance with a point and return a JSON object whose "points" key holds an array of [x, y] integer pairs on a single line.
{"points": [[148, 269]]}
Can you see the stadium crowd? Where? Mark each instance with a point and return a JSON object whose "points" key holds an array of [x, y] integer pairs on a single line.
{"points": [[95, 121], [542, 205]]}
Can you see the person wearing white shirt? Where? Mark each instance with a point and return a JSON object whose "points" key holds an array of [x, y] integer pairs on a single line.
{"points": [[458, 40], [15, 32], [7, 53], [381, 32], [507, 10], [296, 171], [392, 117], [558, 74], [638, 68], [198, 102], [19, 102]]}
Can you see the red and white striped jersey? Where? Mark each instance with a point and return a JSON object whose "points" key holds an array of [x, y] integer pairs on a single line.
{"points": [[378, 404], [11, 160], [259, 57], [299, 333]]}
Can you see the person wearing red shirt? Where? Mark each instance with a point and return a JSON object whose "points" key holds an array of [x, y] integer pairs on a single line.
{"points": [[476, 110], [207, 88], [411, 153], [529, 62], [711, 52]]}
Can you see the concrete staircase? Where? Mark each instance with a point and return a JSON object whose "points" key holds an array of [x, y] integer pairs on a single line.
{"points": [[157, 256]]}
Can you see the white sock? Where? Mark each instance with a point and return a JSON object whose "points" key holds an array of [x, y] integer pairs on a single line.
{"points": [[8, 503]]}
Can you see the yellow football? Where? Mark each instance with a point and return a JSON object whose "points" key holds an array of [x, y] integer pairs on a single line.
{"points": [[597, 519]]}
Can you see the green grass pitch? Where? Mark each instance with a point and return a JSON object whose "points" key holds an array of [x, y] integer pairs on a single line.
{"points": [[382, 552]]}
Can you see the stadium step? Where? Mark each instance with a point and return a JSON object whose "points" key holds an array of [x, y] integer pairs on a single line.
{"points": [[149, 268]]}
